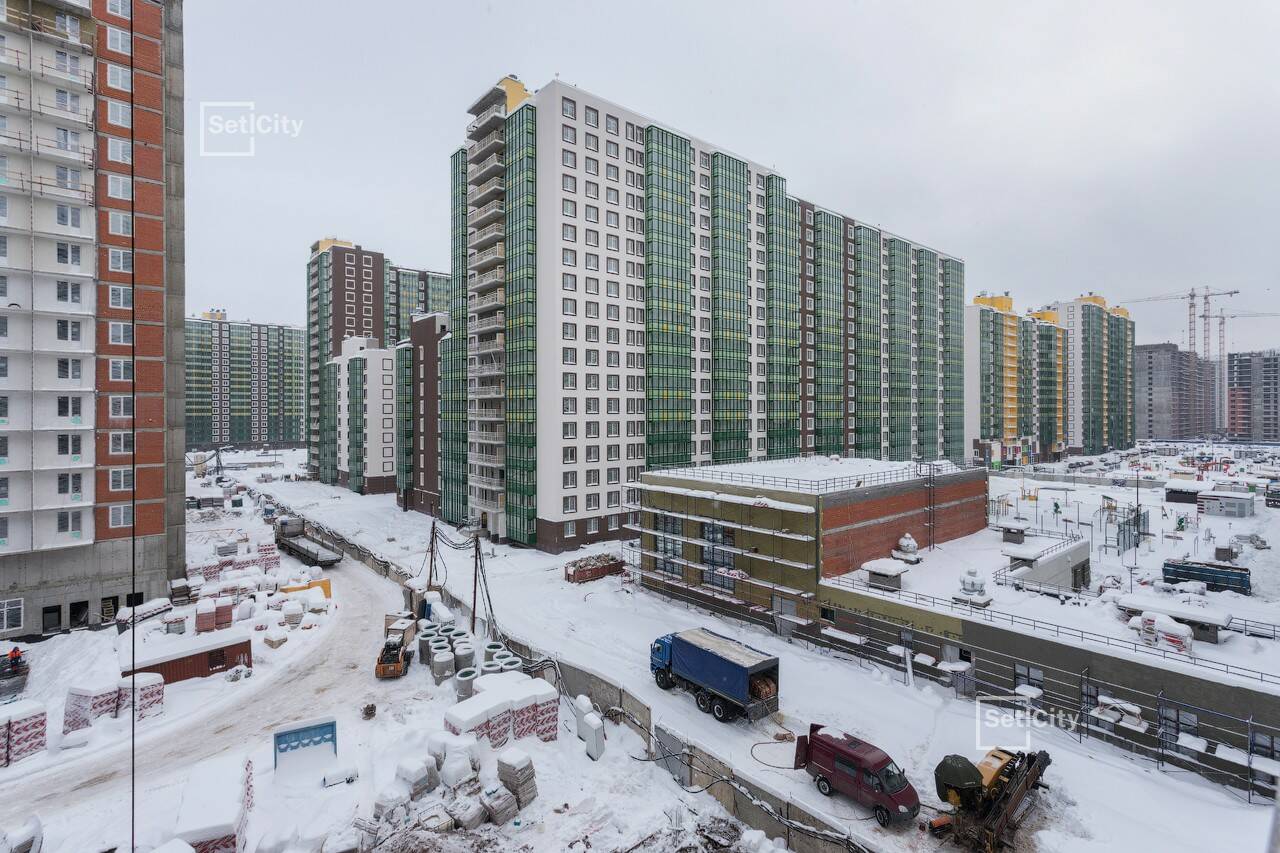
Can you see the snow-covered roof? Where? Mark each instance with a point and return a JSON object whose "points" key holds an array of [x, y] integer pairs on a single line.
{"points": [[1179, 485], [1135, 602], [173, 646], [1030, 550], [748, 500], [886, 566], [812, 474]]}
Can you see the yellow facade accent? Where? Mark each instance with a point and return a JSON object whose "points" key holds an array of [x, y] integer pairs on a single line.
{"points": [[322, 245], [517, 94], [1094, 299], [1045, 315], [1120, 312], [1000, 303]]}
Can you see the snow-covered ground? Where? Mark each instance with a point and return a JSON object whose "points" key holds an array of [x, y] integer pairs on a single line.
{"points": [[1100, 798]]}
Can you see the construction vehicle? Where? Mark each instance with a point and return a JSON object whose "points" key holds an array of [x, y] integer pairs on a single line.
{"points": [[395, 655], [860, 771], [291, 538], [726, 677], [988, 800]]}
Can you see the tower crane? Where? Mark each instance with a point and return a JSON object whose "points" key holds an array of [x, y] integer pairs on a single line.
{"points": [[1222, 317], [1205, 294]]}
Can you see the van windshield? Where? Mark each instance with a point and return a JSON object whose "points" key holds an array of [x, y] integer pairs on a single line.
{"points": [[892, 777]]}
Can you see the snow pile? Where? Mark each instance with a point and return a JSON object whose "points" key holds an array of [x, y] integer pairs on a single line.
{"points": [[215, 804]]}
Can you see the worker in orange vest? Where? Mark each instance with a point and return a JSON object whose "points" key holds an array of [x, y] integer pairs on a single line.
{"points": [[15, 657]]}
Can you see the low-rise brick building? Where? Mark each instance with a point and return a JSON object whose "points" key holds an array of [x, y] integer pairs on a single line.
{"points": [[762, 534]]}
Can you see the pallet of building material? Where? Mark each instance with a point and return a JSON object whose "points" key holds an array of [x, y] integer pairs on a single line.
{"points": [[500, 805], [292, 612], [175, 624], [275, 638], [419, 774], [467, 812], [22, 730], [515, 771], [130, 616], [86, 703], [224, 607], [206, 615], [431, 815], [143, 691]]}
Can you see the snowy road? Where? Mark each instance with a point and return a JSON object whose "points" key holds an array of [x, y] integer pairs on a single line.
{"points": [[329, 676]]}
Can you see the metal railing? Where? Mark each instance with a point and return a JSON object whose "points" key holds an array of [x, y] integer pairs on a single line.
{"points": [[1061, 632], [909, 471]]}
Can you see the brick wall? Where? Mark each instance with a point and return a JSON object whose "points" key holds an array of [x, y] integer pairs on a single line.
{"points": [[870, 525]]}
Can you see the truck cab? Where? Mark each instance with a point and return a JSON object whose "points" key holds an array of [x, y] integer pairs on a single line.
{"points": [[861, 771], [660, 653]]}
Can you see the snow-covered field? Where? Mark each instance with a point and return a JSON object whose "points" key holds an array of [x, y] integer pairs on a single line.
{"points": [[1100, 798]]}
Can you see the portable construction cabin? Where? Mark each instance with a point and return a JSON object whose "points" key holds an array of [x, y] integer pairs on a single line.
{"points": [[1226, 504], [1180, 491], [190, 656]]}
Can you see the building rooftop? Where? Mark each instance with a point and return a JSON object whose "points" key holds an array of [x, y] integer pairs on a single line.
{"points": [[811, 474]]}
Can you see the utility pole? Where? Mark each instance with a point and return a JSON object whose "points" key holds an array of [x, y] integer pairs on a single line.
{"points": [[475, 583], [431, 556]]}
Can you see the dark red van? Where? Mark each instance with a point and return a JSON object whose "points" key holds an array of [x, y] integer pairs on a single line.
{"points": [[860, 771]]}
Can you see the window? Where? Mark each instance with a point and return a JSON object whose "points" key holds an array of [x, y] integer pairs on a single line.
{"points": [[4, 326], [119, 77], [11, 609], [568, 108], [120, 260], [1174, 722], [715, 556], [4, 447], [122, 516], [121, 370], [119, 186], [69, 444], [69, 407], [121, 224], [119, 151], [121, 333], [67, 330], [119, 114], [68, 253], [68, 216], [68, 368], [69, 521], [67, 291], [119, 296], [70, 484], [121, 407], [121, 442], [570, 529], [118, 40], [667, 547], [120, 8]]}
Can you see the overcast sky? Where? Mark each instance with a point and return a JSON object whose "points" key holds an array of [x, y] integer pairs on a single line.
{"points": [[1125, 148]]}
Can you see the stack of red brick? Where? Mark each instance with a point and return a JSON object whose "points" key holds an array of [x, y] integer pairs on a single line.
{"points": [[22, 730]]}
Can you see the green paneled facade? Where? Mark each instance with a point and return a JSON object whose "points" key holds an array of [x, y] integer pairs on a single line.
{"points": [[521, 236], [928, 366], [453, 355], [355, 414], [899, 288], [829, 387], [730, 345], [1027, 372], [782, 311], [404, 417], [668, 308], [328, 453], [867, 390], [953, 360], [245, 384]]}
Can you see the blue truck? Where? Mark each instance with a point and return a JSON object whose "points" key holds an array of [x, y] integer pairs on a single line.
{"points": [[726, 678]]}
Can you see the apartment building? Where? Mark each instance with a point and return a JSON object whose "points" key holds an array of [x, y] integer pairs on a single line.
{"points": [[91, 337], [354, 292], [662, 302], [1168, 401], [1100, 366], [418, 413], [1015, 370], [358, 445], [245, 383], [1253, 396]]}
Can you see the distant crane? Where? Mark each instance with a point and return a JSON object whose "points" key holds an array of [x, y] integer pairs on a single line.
{"points": [[1190, 296]]}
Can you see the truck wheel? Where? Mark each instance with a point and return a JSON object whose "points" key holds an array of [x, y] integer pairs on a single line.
{"points": [[882, 815], [721, 710], [665, 682], [704, 701], [824, 787]]}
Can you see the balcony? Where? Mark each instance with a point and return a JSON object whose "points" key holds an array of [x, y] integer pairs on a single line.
{"points": [[495, 503], [67, 72], [59, 150], [498, 298], [489, 323], [14, 99], [486, 368], [10, 58], [497, 459], [53, 188], [496, 345], [481, 194], [485, 237], [494, 165], [488, 120], [495, 141], [65, 111], [12, 139], [480, 283], [485, 481], [488, 259], [487, 436], [486, 392], [489, 414], [494, 211]]}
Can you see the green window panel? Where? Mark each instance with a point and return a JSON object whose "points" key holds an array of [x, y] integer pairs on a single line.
{"points": [[782, 311], [828, 338], [404, 418], [453, 356], [899, 288], [730, 344], [356, 404], [1027, 371], [521, 236], [668, 305], [867, 357], [953, 359], [328, 450], [927, 354]]}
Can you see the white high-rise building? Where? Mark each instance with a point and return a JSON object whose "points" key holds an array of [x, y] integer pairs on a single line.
{"points": [[625, 296]]}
